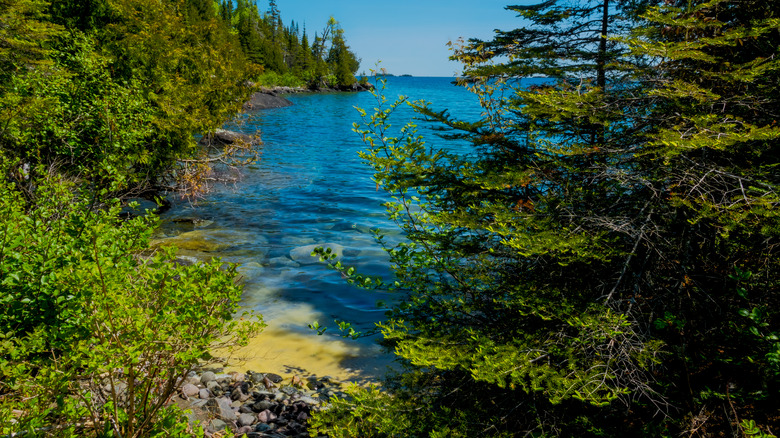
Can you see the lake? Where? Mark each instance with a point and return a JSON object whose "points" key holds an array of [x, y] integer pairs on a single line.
{"points": [[310, 188]]}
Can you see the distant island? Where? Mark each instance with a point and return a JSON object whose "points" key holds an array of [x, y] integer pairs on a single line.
{"points": [[388, 75]]}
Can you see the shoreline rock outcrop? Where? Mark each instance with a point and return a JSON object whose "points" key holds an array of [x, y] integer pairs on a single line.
{"points": [[266, 99], [224, 137]]}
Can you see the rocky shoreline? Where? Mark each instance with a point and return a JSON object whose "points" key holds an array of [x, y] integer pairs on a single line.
{"points": [[258, 405], [271, 97]]}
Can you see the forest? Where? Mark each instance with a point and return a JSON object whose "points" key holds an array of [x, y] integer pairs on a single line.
{"points": [[286, 53]]}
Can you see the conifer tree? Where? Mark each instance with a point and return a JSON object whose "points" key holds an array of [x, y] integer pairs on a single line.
{"points": [[341, 60], [604, 263], [305, 60], [226, 11], [274, 18]]}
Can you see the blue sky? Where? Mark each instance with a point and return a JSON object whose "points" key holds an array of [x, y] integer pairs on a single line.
{"points": [[408, 36]]}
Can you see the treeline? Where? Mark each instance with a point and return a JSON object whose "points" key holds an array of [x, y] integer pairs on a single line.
{"points": [[605, 262], [99, 101], [325, 61]]}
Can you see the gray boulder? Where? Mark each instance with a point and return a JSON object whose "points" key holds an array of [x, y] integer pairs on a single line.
{"points": [[266, 100], [225, 137]]}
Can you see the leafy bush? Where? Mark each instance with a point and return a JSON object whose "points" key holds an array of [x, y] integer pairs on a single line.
{"points": [[273, 79], [91, 328]]}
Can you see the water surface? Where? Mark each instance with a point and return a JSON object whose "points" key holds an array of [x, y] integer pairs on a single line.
{"points": [[311, 188]]}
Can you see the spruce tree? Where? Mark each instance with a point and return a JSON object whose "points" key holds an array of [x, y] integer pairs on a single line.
{"points": [[604, 262]]}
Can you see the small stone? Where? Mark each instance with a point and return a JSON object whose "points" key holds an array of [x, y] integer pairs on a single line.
{"points": [[221, 407], [190, 390], [261, 395], [296, 381], [255, 377], [289, 390], [204, 393], [246, 420], [275, 378], [309, 401], [262, 405], [217, 425], [266, 416], [330, 381], [244, 430], [246, 409], [268, 383], [207, 377], [236, 394], [211, 385], [263, 427]]}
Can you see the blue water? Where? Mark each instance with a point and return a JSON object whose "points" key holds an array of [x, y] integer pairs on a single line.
{"points": [[309, 187]]}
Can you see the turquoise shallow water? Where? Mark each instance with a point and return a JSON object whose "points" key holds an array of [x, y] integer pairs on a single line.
{"points": [[311, 188]]}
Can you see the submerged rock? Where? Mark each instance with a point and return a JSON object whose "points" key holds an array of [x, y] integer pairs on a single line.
{"points": [[206, 240], [302, 254]]}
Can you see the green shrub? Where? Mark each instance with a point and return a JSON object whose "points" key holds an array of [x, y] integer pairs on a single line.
{"points": [[92, 329], [273, 79]]}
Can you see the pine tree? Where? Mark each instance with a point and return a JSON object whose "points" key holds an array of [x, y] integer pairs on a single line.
{"points": [[305, 60], [226, 11], [274, 18]]}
